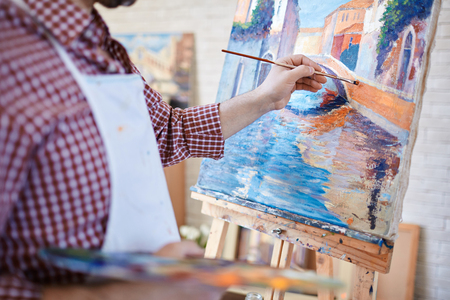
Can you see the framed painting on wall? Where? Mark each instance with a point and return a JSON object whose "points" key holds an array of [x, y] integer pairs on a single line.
{"points": [[165, 60]]}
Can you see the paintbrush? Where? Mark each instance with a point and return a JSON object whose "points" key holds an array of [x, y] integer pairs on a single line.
{"points": [[356, 82]]}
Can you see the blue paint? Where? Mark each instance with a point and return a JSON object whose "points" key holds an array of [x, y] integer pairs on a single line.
{"points": [[263, 162], [295, 217], [387, 245], [349, 57]]}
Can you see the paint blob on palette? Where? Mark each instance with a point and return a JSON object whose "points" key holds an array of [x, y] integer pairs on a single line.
{"points": [[342, 155]]}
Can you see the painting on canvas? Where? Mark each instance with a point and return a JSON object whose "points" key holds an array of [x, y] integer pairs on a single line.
{"points": [[340, 156], [165, 60]]}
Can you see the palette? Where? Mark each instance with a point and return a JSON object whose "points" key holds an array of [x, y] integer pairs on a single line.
{"points": [[147, 267]]}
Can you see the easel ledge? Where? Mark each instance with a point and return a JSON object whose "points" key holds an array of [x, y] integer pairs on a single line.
{"points": [[332, 229], [376, 257]]}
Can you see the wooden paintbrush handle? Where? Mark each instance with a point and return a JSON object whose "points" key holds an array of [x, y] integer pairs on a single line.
{"points": [[288, 66]]}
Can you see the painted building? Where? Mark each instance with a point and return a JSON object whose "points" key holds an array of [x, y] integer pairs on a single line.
{"points": [[309, 41], [281, 39], [368, 45], [271, 42], [399, 66], [244, 11], [348, 29], [328, 33]]}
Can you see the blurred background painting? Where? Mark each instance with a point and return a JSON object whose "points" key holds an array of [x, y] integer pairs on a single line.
{"points": [[165, 60]]}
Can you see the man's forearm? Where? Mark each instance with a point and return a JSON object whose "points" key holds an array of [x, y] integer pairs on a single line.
{"points": [[274, 93], [241, 111]]}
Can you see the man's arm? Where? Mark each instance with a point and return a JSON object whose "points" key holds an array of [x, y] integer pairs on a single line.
{"points": [[184, 133], [16, 145], [273, 94], [200, 131]]}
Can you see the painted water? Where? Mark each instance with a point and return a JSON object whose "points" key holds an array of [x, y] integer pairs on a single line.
{"points": [[318, 158]]}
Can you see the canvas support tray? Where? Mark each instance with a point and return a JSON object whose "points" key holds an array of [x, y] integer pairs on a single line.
{"points": [[373, 239], [369, 257]]}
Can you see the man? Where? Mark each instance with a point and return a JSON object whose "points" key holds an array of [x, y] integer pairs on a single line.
{"points": [[69, 161]]}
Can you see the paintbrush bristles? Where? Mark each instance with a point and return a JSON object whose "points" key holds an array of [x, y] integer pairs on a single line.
{"points": [[356, 82]]}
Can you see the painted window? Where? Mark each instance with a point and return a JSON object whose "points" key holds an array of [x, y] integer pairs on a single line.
{"points": [[346, 18], [238, 78], [343, 16], [406, 61], [264, 69]]}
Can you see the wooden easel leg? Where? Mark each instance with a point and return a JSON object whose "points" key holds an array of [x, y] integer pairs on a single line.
{"points": [[364, 285], [216, 239], [274, 263], [281, 258], [324, 267], [285, 262]]}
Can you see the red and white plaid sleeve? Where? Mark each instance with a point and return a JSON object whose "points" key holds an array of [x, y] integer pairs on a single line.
{"points": [[13, 287], [180, 133], [15, 150], [183, 133], [15, 146], [192, 132]]}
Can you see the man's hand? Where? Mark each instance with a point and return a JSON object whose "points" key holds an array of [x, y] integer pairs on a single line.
{"points": [[183, 249], [281, 82], [189, 290], [186, 290], [273, 94]]}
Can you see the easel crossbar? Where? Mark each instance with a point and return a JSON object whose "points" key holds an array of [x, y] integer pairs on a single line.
{"points": [[361, 253]]}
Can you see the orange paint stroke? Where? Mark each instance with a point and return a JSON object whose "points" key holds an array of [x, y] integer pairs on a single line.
{"points": [[386, 104], [328, 122]]}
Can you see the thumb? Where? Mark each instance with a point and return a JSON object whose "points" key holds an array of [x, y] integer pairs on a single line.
{"points": [[192, 250], [302, 71]]}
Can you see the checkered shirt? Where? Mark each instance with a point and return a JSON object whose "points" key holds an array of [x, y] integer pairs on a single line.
{"points": [[54, 176]]}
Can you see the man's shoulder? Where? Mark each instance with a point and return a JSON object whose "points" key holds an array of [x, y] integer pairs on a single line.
{"points": [[34, 83]]}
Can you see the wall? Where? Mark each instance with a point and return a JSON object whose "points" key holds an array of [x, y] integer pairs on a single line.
{"points": [[427, 201]]}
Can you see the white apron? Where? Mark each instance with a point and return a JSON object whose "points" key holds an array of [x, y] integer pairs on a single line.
{"points": [[141, 216]]}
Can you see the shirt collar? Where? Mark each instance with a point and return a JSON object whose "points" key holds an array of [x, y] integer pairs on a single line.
{"points": [[62, 18]]}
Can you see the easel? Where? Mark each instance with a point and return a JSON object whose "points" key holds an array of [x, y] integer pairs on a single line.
{"points": [[367, 256]]}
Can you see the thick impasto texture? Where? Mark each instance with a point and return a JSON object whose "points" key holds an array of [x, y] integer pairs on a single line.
{"points": [[342, 155], [165, 61]]}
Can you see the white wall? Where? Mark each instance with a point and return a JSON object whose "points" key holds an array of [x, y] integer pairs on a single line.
{"points": [[427, 201]]}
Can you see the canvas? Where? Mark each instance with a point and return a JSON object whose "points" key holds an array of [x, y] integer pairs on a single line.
{"points": [[165, 60], [340, 156]]}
